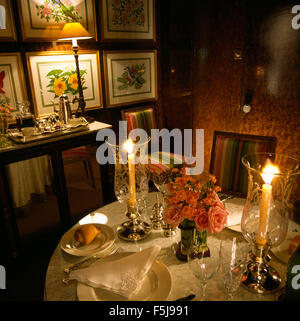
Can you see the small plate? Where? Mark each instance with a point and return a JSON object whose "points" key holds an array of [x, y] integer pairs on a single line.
{"points": [[156, 287], [102, 241], [236, 228]]}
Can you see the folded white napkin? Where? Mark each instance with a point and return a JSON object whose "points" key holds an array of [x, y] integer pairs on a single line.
{"points": [[235, 208], [123, 276]]}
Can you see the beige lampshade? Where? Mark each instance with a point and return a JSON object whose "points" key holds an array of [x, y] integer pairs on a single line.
{"points": [[74, 30]]}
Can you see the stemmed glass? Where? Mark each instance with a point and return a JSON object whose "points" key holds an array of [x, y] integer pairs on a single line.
{"points": [[204, 265], [233, 263], [161, 181]]}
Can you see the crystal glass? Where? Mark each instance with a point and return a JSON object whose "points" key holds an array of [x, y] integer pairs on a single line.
{"points": [[265, 216], [204, 264], [161, 181], [135, 228], [233, 261]]}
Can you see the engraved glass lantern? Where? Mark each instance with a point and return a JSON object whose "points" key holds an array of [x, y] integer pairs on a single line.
{"points": [[265, 216]]}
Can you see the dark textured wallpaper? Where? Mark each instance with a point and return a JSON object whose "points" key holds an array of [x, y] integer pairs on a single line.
{"points": [[267, 75]]}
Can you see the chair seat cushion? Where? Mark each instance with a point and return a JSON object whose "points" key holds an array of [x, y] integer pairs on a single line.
{"points": [[159, 162], [75, 153]]}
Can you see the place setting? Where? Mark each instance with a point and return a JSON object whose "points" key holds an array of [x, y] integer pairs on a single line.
{"points": [[123, 263]]}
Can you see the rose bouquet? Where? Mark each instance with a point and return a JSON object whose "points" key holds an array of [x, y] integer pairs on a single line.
{"points": [[195, 198], [193, 204]]}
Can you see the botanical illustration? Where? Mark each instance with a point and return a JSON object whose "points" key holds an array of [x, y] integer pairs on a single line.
{"points": [[132, 77], [128, 12], [7, 90], [64, 81], [58, 10]]}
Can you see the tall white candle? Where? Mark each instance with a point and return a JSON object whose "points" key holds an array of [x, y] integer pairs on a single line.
{"points": [[129, 146], [266, 197]]}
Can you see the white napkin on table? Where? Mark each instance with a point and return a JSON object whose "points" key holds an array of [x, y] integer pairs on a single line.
{"points": [[235, 208], [123, 276]]}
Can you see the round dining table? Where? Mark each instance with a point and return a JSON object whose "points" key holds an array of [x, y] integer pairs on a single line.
{"points": [[183, 282]]}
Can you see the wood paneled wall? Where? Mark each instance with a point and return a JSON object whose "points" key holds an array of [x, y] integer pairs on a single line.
{"points": [[268, 72]]}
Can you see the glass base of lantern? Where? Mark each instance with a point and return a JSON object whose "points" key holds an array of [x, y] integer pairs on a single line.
{"points": [[261, 278]]}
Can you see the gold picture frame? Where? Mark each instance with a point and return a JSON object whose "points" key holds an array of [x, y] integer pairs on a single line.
{"points": [[53, 73], [130, 77], [129, 20], [40, 21], [12, 84], [7, 19]]}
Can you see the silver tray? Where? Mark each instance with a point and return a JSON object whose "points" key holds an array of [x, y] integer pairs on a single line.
{"points": [[20, 139]]}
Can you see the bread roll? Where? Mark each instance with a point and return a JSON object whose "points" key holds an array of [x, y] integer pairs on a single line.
{"points": [[86, 233], [295, 242]]}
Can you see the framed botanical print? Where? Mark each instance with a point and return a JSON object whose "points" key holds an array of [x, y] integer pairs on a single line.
{"points": [[130, 77], [44, 19], [128, 20], [53, 74], [12, 84], [7, 23]]}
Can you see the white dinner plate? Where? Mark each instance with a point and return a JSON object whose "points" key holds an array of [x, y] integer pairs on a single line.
{"points": [[102, 241], [156, 287], [281, 251]]}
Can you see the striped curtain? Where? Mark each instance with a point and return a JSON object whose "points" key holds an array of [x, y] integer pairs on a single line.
{"points": [[141, 119], [231, 174]]}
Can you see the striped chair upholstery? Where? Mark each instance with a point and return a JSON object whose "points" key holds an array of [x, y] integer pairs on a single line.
{"points": [[140, 118], [145, 118], [227, 151]]}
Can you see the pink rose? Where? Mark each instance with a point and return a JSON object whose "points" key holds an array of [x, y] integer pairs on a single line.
{"points": [[218, 202], [201, 218], [173, 216], [217, 218]]}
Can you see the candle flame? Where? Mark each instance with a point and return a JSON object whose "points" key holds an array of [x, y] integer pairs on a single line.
{"points": [[268, 172], [128, 146]]}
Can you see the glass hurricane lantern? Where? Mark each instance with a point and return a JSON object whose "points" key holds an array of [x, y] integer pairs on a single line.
{"points": [[133, 229], [265, 215]]}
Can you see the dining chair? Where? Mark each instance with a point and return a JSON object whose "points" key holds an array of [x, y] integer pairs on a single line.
{"points": [[80, 154], [227, 152], [144, 118]]}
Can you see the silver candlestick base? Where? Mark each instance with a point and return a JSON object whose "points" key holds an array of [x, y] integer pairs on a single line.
{"points": [[134, 229], [168, 230]]}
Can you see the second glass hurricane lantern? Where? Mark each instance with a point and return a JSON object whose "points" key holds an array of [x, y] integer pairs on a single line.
{"points": [[266, 214]]}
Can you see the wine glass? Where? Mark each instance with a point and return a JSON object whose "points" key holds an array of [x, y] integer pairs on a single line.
{"points": [[161, 180], [204, 264], [233, 263]]}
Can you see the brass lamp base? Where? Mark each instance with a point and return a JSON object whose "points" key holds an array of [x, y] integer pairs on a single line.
{"points": [[134, 229], [261, 278]]}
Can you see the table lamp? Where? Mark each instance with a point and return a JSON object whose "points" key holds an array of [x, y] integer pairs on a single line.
{"points": [[75, 31]]}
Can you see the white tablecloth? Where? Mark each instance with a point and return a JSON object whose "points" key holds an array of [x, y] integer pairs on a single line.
{"points": [[28, 177], [183, 281]]}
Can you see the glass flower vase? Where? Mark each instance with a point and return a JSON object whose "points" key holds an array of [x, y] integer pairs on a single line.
{"points": [[191, 240], [266, 214]]}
